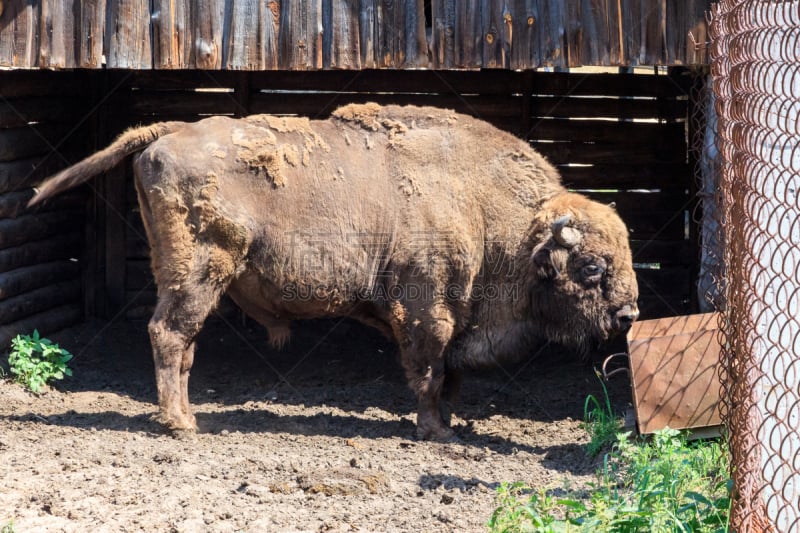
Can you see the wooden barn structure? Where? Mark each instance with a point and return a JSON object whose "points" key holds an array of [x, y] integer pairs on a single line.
{"points": [[75, 74]]}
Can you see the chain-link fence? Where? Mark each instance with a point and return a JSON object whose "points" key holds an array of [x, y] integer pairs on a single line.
{"points": [[755, 66]]}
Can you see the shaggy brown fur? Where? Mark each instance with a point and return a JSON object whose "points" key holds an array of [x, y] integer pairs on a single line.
{"points": [[434, 227]]}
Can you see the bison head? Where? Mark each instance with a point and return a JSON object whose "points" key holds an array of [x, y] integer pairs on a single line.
{"points": [[583, 287]]}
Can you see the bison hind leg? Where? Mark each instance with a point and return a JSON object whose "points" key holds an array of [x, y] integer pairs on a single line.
{"points": [[178, 318]]}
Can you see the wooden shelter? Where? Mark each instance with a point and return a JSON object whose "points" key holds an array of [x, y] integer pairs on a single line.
{"points": [[78, 73]]}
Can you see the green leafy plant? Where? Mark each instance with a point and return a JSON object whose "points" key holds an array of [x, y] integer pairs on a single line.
{"points": [[665, 485], [599, 421], [8, 528], [35, 360]]}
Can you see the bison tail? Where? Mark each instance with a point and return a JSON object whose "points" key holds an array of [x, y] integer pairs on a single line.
{"points": [[131, 141]]}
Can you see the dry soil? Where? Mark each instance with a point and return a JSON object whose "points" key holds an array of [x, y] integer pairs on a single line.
{"points": [[317, 437]]}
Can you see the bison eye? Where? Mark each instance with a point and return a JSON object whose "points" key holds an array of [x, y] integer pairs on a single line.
{"points": [[592, 272]]}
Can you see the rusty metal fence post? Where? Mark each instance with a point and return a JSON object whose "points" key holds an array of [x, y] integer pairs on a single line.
{"points": [[755, 64]]}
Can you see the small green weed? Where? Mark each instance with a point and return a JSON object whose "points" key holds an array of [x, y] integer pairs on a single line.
{"points": [[666, 485], [35, 360], [599, 421], [8, 528]]}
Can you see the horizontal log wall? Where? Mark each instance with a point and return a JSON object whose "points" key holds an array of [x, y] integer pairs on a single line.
{"points": [[617, 138], [41, 130], [353, 34]]}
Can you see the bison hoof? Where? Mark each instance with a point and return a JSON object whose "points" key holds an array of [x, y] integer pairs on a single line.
{"points": [[187, 435], [175, 424], [438, 434]]}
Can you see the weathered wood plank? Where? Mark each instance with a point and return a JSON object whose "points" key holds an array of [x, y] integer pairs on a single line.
{"points": [[208, 26], [57, 34], [16, 231], [300, 39], [391, 34], [341, 37], [525, 37], [443, 33], [660, 137], [616, 35], [654, 27], [608, 107], [585, 84], [27, 141], [416, 35], [632, 31], [491, 17], [25, 173], [506, 107], [501, 81], [669, 253], [128, 34], [665, 280], [26, 279], [649, 216], [247, 26], [595, 45], [91, 26], [401, 40], [45, 323], [670, 200], [574, 37], [164, 80], [468, 40], [39, 300], [368, 24], [159, 103], [587, 153], [19, 40], [552, 33], [695, 24], [32, 83], [172, 34], [625, 175], [13, 204], [62, 246], [662, 305], [20, 112]]}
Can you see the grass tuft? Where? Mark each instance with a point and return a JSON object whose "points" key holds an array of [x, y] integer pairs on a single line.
{"points": [[663, 485], [599, 422]]}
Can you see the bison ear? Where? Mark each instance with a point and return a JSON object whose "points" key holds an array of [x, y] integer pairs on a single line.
{"points": [[543, 261], [565, 235]]}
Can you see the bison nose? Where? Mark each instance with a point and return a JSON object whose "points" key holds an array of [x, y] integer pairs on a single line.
{"points": [[625, 317]]}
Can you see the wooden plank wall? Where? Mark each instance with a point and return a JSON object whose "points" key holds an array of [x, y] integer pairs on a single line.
{"points": [[618, 138], [350, 34], [41, 114]]}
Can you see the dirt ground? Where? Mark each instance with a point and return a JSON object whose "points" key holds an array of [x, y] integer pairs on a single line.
{"points": [[317, 437]]}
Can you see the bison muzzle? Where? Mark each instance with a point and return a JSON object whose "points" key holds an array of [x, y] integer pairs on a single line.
{"points": [[453, 238]]}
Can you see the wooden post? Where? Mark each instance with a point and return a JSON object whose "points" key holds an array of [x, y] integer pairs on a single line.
{"points": [[698, 79]]}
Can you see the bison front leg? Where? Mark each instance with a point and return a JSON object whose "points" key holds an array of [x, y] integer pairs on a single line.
{"points": [[423, 340]]}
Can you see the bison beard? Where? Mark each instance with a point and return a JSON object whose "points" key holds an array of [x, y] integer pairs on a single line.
{"points": [[355, 210]]}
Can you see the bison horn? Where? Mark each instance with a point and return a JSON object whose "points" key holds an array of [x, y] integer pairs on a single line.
{"points": [[565, 235]]}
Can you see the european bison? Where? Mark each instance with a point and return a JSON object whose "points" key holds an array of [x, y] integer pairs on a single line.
{"points": [[453, 238]]}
